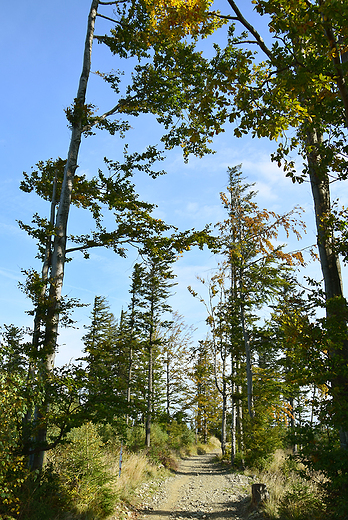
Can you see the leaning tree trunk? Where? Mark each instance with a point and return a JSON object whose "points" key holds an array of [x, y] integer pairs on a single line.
{"points": [[38, 321], [336, 305], [59, 246]]}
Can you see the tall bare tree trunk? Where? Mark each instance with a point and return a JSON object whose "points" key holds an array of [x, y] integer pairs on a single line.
{"points": [[58, 255], [130, 359], [59, 246], [222, 390], [320, 185], [168, 367]]}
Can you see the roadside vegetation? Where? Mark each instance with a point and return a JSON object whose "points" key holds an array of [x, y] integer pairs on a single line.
{"points": [[293, 490], [81, 479]]}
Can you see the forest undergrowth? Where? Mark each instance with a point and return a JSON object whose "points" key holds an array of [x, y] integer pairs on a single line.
{"points": [[81, 479], [294, 493]]}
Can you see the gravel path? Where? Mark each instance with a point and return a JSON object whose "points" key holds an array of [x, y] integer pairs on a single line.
{"points": [[201, 489]]}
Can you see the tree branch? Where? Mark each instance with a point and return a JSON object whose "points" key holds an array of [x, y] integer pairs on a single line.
{"points": [[340, 80], [101, 118], [89, 245], [224, 16], [104, 116], [81, 248], [107, 18], [251, 29]]}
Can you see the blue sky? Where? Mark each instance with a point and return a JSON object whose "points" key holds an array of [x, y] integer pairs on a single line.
{"points": [[41, 47]]}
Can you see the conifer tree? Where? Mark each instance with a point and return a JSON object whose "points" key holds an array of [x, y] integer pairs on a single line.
{"points": [[150, 290], [154, 292], [252, 274], [105, 386]]}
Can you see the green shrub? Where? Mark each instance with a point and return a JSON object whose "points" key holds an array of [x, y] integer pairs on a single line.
{"points": [[180, 435], [43, 496], [84, 474], [136, 438], [13, 468], [301, 502]]}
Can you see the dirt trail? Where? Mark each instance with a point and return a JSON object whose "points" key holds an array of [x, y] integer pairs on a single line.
{"points": [[200, 489]]}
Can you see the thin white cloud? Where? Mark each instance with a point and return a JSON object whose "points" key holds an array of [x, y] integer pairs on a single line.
{"points": [[10, 273]]}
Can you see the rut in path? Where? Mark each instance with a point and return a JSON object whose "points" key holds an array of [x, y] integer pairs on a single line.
{"points": [[200, 489]]}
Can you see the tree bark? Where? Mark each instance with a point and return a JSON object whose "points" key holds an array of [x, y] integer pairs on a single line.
{"points": [[150, 378], [248, 360], [149, 399], [320, 185], [330, 266], [222, 390], [234, 412], [167, 363], [59, 246], [58, 255], [224, 419]]}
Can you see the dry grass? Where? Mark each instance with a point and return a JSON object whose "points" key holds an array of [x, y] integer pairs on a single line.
{"points": [[136, 469], [291, 497]]}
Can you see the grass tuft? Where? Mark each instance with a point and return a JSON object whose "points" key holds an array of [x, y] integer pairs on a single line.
{"points": [[292, 496]]}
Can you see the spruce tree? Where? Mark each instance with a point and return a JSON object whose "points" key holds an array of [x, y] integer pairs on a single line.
{"points": [[156, 275], [105, 388]]}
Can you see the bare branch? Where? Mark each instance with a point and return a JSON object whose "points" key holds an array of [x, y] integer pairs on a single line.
{"points": [[251, 29], [224, 16], [107, 18], [82, 248], [247, 41]]}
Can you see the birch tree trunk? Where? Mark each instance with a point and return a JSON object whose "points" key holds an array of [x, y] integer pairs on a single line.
{"points": [[59, 245], [58, 255]]}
